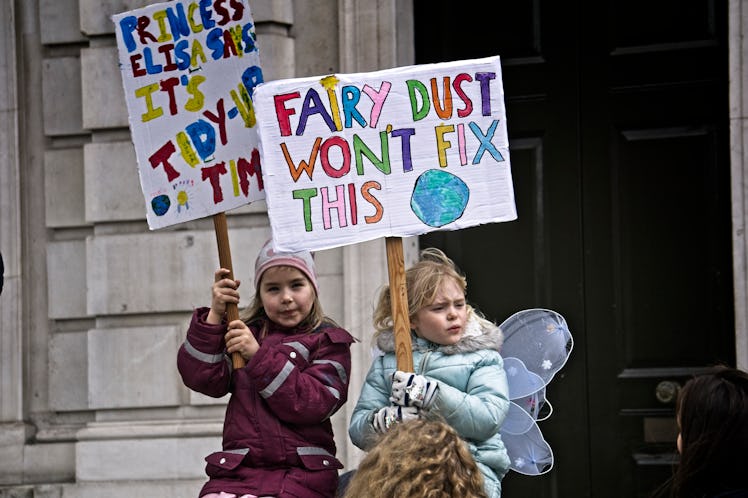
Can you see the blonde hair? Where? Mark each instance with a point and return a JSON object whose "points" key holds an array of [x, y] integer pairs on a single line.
{"points": [[421, 458], [422, 282], [256, 311]]}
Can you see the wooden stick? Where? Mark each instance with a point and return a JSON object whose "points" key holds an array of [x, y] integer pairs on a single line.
{"points": [[399, 303], [224, 257]]}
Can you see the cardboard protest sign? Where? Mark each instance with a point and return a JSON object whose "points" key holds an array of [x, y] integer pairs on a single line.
{"points": [[353, 157], [188, 70]]}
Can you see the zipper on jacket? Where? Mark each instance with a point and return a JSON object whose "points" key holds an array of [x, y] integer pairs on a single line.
{"points": [[422, 363]]}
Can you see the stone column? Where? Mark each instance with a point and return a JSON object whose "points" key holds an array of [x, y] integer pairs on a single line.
{"points": [[738, 34], [11, 340]]}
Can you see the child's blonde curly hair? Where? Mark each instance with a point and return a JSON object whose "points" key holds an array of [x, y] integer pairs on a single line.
{"points": [[420, 458]]}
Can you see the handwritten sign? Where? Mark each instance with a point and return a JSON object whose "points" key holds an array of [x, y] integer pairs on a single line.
{"points": [[188, 70], [354, 157]]}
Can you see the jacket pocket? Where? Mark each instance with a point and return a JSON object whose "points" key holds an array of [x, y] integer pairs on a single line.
{"points": [[314, 458], [224, 463]]}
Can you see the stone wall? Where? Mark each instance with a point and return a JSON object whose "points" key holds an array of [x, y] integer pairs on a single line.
{"points": [[95, 304]]}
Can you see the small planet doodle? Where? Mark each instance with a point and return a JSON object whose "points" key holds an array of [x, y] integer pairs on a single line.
{"points": [[161, 204], [439, 197]]}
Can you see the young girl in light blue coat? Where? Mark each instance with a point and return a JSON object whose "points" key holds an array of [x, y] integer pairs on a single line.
{"points": [[459, 373]]}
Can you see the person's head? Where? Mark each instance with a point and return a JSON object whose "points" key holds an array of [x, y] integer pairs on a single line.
{"points": [[712, 416], [285, 289], [420, 458], [437, 307]]}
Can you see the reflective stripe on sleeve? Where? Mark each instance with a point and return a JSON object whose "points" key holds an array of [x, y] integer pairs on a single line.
{"points": [[338, 367], [279, 379], [334, 392], [204, 357], [302, 350]]}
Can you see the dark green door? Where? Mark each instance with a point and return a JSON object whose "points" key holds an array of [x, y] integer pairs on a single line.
{"points": [[617, 117]]}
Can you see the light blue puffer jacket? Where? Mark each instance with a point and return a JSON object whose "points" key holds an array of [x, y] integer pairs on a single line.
{"points": [[473, 395]]}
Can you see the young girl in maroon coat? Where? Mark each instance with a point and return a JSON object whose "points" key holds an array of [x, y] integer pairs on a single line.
{"points": [[277, 435]]}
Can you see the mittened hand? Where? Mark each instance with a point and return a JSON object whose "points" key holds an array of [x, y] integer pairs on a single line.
{"points": [[409, 389], [390, 415]]}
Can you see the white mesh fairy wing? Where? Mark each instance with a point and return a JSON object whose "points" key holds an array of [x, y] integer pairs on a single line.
{"points": [[540, 338], [537, 343], [529, 453]]}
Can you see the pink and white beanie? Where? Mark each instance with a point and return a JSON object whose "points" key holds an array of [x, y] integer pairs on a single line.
{"points": [[302, 261]]}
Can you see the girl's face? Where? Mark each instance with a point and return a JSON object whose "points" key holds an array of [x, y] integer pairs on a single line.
{"points": [[443, 321], [286, 294], [679, 441]]}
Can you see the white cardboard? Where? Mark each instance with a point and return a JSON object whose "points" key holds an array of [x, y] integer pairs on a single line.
{"points": [[188, 71], [353, 157]]}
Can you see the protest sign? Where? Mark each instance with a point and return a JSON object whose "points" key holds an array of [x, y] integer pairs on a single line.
{"points": [[353, 157], [188, 70]]}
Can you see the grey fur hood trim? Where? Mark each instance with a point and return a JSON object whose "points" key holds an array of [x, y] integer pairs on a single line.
{"points": [[479, 334]]}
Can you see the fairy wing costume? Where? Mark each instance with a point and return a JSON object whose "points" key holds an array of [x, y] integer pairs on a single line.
{"points": [[537, 343]]}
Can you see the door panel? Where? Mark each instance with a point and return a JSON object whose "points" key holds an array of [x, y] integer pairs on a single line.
{"points": [[662, 215], [617, 119], [656, 209]]}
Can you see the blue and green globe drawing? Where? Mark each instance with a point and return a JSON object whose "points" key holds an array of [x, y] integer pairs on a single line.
{"points": [[439, 198], [161, 204]]}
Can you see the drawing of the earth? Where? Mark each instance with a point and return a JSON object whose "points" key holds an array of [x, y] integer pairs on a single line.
{"points": [[160, 204], [439, 197]]}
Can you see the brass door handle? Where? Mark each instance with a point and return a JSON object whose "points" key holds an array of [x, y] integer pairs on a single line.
{"points": [[666, 391]]}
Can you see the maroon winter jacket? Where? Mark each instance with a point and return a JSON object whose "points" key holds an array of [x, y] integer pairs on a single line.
{"points": [[277, 435]]}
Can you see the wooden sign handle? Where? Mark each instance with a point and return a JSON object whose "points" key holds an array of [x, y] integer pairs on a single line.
{"points": [[224, 257], [399, 303]]}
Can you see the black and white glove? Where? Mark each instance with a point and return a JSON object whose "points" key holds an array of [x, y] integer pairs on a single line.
{"points": [[390, 415], [409, 389]]}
